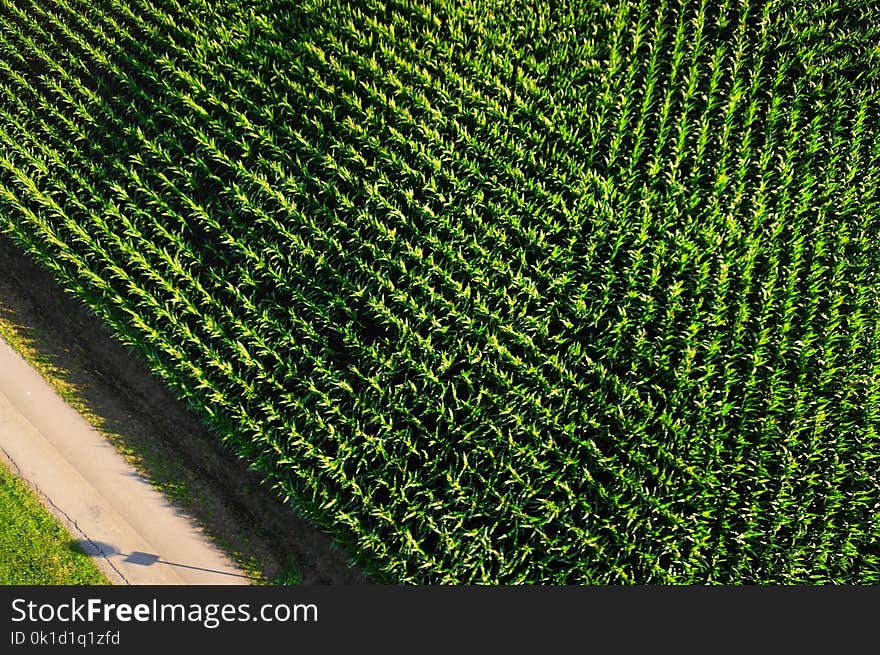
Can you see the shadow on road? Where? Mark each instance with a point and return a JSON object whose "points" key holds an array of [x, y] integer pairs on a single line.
{"points": [[103, 549]]}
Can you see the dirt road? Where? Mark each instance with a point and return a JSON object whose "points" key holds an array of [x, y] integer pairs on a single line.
{"points": [[134, 534]]}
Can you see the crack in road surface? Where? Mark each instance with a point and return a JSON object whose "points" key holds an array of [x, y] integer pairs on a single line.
{"points": [[69, 520]]}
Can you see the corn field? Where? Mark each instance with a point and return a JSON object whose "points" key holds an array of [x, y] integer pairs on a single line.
{"points": [[582, 291]]}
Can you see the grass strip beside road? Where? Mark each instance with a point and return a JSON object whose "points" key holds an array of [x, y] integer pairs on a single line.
{"points": [[35, 549]]}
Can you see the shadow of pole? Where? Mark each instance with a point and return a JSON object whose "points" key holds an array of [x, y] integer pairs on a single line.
{"points": [[100, 548]]}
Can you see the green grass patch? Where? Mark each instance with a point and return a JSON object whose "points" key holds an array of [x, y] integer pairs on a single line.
{"points": [[35, 549]]}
